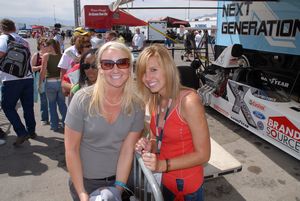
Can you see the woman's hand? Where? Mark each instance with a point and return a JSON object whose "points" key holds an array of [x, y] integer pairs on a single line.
{"points": [[83, 196], [41, 87], [143, 145], [150, 161]]}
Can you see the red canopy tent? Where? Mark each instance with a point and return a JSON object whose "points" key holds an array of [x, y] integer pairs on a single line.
{"points": [[173, 22], [101, 17], [121, 17]]}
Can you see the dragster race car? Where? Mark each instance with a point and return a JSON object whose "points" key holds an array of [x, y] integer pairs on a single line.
{"points": [[246, 96]]}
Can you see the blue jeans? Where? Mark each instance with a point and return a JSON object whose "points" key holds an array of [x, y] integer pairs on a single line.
{"points": [[196, 196], [22, 90], [55, 98], [44, 107]]}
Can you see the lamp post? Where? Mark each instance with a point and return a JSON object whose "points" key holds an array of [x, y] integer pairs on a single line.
{"points": [[76, 12], [54, 14], [189, 10]]}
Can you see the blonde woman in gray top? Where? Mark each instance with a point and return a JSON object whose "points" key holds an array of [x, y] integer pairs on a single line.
{"points": [[103, 123]]}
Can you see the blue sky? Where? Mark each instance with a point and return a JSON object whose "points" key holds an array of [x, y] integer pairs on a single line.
{"points": [[63, 9]]}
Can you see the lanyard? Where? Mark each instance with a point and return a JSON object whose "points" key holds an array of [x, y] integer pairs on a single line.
{"points": [[159, 135]]}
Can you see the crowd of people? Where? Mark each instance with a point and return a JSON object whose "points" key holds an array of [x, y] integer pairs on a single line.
{"points": [[103, 119], [194, 40]]}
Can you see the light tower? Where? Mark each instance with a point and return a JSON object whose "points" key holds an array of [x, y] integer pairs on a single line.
{"points": [[76, 12], [54, 14]]}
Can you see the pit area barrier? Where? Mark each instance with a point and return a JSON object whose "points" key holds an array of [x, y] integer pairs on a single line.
{"points": [[145, 185]]}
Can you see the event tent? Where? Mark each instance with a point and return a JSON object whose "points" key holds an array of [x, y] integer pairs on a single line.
{"points": [[121, 17], [101, 17], [173, 22]]}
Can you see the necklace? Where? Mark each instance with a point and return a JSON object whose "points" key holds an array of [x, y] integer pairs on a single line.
{"points": [[159, 134], [111, 103]]}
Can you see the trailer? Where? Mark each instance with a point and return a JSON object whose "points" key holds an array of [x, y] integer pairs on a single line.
{"points": [[157, 31], [255, 80]]}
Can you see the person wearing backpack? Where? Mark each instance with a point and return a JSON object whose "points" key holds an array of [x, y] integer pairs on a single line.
{"points": [[17, 81]]}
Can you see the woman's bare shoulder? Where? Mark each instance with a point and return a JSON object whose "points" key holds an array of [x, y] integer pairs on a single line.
{"points": [[188, 95]]}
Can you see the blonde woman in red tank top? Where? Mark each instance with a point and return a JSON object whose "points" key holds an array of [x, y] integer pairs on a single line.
{"points": [[179, 143]]}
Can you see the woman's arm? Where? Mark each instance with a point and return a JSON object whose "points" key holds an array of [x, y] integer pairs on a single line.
{"points": [[44, 67], [33, 63], [193, 113], [72, 147], [126, 157], [66, 87]]}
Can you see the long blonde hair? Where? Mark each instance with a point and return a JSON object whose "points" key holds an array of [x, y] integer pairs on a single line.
{"points": [[97, 93], [167, 63]]}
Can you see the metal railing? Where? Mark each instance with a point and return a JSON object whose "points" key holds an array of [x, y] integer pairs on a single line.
{"points": [[145, 185]]}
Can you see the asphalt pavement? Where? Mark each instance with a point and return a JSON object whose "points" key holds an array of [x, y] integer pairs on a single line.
{"points": [[37, 170]]}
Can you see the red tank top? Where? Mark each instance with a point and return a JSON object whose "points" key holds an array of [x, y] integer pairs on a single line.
{"points": [[177, 140]]}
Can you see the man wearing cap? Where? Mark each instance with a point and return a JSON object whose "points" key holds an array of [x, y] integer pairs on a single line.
{"points": [[58, 37], [71, 55]]}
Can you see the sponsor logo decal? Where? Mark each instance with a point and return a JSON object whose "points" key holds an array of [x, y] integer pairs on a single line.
{"points": [[272, 27], [260, 125], [240, 122], [98, 12], [259, 115], [285, 132], [221, 110], [275, 81], [239, 92], [257, 105]]}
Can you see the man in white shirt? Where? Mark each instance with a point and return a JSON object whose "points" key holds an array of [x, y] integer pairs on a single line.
{"points": [[138, 40], [198, 39], [96, 39], [58, 37], [15, 89]]}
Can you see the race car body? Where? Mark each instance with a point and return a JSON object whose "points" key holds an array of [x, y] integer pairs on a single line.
{"points": [[267, 113], [255, 80]]}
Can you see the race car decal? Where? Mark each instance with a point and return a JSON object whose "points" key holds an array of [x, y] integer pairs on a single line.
{"points": [[263, 26], [284, 131], [260, 125], [220, 109], [257, 105], [259, 115], [239, 122], [239, 92]]}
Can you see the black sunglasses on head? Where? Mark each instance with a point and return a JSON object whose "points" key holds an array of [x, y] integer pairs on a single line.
{"points": [[87, 66], [107, 64]]}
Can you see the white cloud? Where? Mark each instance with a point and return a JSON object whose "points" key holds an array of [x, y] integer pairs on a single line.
{"points": [[63, 9], [37, 8]]}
